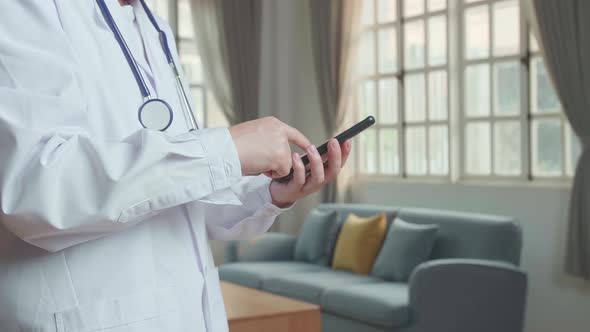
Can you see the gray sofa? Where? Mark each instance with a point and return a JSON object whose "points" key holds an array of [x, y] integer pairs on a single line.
{"points": [[471, 284]]}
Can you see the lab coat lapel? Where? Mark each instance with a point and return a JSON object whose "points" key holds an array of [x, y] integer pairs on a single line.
{"points": [[132, 38], [153, 49]]}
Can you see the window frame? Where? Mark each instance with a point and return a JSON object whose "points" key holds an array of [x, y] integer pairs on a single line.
{"points": [[400, 74], [457, 119], [526, 116], [521, 57]]}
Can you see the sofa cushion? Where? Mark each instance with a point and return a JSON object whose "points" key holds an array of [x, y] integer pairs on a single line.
{"points": [[309, 286], [406, 246], [252, 274], [359, 242], [313, 240], [383, 304]]}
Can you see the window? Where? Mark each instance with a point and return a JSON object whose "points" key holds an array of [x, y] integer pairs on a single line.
{"points": [[555, 148], [492, 99], [506, 121], [405, 85], [178, 13]]}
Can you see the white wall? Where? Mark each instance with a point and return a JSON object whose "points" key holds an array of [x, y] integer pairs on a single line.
{"points": [[287, 89]]}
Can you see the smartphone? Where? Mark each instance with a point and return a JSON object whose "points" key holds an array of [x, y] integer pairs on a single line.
{"points": [[342, 137]]}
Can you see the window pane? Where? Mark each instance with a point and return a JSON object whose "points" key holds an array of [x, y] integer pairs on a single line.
{"points": [[367, 53], [368, 153], [507, 88], [415, 107], [388, 101], [438, 138], [387, 50], [389, 151], [573, 150], [416, 150], [191, 62], [185, 20], [368, 12], [436, 5], [506, 28], [507, 148], [199, 102], [367, 99], [546, 147], [414, 44], [215, 116], [533, 44], [437, 40], [477, 32], [478, 148], [413, 7], [543, 97], [477, 90], [437, 95], [387, 10]]}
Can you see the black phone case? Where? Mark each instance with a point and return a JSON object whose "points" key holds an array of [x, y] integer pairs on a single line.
{"points": [[341, 138]]}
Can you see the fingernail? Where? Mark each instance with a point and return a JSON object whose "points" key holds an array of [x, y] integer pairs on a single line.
{"points": [[296, 157], [333, 143]]}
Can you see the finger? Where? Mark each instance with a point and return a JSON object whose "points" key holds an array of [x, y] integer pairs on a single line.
{"points": [[298, 180], [283, 168], [346, 148], [281, 172], [296, 137], [316, 179], [334, 159]]}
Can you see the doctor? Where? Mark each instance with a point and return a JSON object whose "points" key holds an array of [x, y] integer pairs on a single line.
{"points": [[105, 221]]}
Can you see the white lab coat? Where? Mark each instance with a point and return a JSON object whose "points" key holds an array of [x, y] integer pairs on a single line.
{"points": [[104, 226]]}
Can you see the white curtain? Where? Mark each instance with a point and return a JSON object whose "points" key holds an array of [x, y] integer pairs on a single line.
{"points": [[228, 38], [334, 32], [562, 28]]}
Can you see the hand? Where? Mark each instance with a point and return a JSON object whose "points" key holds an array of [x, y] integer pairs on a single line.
{"points": [[263, 146], [301, 185]]}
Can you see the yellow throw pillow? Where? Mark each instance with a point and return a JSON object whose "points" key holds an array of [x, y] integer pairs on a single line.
{"points": [[359, 243]]}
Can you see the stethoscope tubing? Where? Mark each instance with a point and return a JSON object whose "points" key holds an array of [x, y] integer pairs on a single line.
{"points": [[192, 123], [145, 91]]}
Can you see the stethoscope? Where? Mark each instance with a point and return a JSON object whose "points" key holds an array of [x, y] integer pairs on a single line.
{"points": [[154, 113]]}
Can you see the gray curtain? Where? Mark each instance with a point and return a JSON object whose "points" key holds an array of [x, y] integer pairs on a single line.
{"points": [[334, 33], [563, 30], [228, 38]]}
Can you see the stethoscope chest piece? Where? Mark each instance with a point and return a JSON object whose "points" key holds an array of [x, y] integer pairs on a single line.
{"points": [[155, 114]]}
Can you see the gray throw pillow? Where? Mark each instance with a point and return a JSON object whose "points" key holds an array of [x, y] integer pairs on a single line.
{"points": [[314, 237], [405, 247]]}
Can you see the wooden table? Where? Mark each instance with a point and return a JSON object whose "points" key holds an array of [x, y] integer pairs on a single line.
{"points": [[252, 310]]}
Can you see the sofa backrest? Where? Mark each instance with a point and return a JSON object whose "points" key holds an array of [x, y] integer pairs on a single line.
{"points": [[460, 235]]}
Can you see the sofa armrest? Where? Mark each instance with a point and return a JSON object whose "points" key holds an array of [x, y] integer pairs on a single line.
{"points": [[465, 295], [268, 247]]}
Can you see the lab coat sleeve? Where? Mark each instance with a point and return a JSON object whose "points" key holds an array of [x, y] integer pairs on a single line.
{"points": [[60, 185], [252, 214], [253, 217]]}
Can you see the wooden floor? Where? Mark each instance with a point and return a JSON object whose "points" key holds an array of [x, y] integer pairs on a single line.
{"points": [[251, 310]]}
